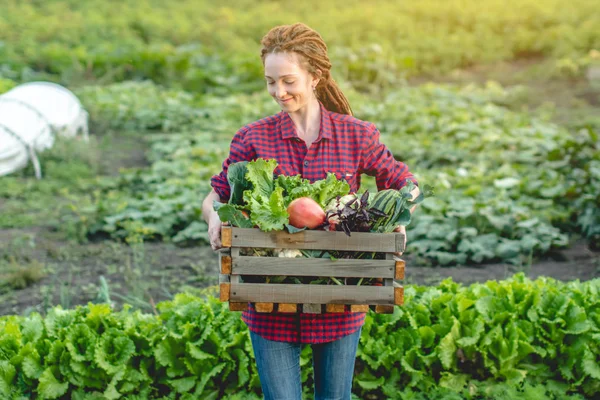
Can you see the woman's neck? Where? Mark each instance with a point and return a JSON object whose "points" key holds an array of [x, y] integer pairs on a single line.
{"points": [[307, 120]]}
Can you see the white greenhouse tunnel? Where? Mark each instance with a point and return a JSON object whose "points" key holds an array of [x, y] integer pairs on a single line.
{"points": [[32, 116]]}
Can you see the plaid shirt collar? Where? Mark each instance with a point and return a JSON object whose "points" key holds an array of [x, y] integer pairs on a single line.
{"points": [[288, 130]]}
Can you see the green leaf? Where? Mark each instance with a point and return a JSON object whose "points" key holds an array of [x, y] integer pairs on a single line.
{"points": [[113, 351], [207, 376], [260, 174], [32, 367], [293, 229], [80, 342], [32, 328], [455, 382], [590, 364], [269, 214], [427, 336], [576, 320], [325, 190], [447, 347], [236, 176], [229, 213], [367, 381], [7, 374], [198, 354], [49, 387], [183, 385]]}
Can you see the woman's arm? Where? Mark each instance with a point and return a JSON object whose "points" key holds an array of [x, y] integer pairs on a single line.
{"points": [[239, 151], [378, 161]]}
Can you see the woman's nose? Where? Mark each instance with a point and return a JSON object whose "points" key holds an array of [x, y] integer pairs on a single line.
{"points": [[279, 91]]}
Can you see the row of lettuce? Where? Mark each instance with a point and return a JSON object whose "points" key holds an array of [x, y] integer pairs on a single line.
{"points": [[208, 48], [530, 338]]}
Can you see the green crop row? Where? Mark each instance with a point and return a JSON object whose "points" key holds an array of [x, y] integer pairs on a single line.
{"points": [[507, 186], [203, 47], [529, 338]]}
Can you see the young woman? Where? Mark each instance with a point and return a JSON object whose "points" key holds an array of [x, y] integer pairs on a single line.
{"points": [[313, 134]]}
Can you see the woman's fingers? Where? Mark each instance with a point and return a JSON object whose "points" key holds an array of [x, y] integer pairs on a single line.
{"points": [[401, 229], [214, 233]]}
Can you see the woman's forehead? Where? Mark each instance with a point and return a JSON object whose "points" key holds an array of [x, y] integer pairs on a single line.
{"points": [[281, 64]]}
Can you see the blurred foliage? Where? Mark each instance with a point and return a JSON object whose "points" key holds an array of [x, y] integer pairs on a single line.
{"points": [[196, 45], [508, 186]]}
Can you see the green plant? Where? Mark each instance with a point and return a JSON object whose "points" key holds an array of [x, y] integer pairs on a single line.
{"points": [[503, 340]]}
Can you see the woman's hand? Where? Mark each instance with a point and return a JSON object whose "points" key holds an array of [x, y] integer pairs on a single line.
{"points": [[401, 229], [214, 231]]}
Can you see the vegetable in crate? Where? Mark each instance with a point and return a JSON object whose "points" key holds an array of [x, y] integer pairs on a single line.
{"points": [[267, 198], [305, 213]]}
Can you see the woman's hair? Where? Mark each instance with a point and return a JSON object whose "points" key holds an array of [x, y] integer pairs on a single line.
{"points": [[307, 43]]}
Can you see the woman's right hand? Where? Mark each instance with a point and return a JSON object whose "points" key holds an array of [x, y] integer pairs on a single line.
{"points": [[214, 231]]}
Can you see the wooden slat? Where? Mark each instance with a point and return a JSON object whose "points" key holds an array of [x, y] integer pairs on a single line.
{"points": [[398, 296], [359, 308], [319, 294], [247, 265], [237, 306], [226, 236], [399, 242], [399, 269], [335, 308], [224, 291], [287, 307], [383, 309], [311, 308], [264, 307], [315, 240], [225, 264]]}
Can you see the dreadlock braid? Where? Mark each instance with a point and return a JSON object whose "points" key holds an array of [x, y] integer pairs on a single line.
{"points": [[299, 38]]}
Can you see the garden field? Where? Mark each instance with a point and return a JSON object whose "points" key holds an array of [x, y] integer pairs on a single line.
{"points": [[106, 275]]}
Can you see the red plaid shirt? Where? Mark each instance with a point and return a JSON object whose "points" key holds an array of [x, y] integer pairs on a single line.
{"points": [[346, 146]]}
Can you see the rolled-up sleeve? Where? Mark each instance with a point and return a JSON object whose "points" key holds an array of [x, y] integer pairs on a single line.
{"points": [[378, 161], [239, 150]]}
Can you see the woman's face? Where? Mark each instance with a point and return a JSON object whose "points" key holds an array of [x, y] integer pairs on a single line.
{"points": [[288, 82]]}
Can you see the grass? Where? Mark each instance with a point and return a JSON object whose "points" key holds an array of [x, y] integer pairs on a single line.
{"points": [[15, 275]]}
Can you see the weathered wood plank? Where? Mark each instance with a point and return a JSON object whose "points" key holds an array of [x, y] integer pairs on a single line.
{"points": [[287, 308], [226, 236], [383, 309], [237, 306], [311, 308], [318, 294], [224, 291], [400, 267], [359, 308], [316, 240], [264, 307], [398, 296], [247, 265], [335, 308], [226, 264]]}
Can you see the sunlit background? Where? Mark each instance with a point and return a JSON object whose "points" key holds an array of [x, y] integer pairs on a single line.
{"points": [[496, 104]]}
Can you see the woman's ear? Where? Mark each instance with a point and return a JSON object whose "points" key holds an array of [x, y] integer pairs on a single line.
{"points": [[317, 77]]}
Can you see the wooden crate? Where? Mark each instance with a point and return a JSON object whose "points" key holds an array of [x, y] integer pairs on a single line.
{"points": [[269, 297]]}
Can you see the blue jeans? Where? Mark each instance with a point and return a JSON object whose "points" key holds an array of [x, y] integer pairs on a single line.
{"points": [[279, 367]]}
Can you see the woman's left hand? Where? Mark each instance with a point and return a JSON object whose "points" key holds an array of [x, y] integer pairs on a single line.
{"points": [[401, 229]]}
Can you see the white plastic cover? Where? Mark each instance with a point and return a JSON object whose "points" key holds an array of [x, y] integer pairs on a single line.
{"points": [[61, 108], [30, 116]]}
